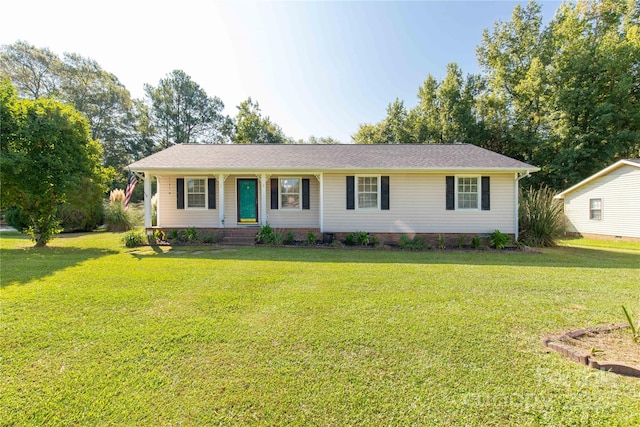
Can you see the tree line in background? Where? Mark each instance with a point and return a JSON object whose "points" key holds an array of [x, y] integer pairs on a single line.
{"points": [[175, 111], [562, 96]]}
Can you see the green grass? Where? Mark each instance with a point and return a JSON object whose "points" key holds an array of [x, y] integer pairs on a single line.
{"points": [[93, 333]]}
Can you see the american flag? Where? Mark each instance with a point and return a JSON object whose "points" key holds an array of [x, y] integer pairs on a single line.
{"points": [[131, 185]]}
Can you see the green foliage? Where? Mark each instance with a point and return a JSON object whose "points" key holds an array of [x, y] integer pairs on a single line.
{"points": [[158, 236], [174, 235], [16, 219], [278, 239], [350, 239], [184, 112], [635, 330], [461, 240], [133, 238], [252, 128], [47, 157], [311, 238], [116, 218], [362, 238], [498, 239], [211, 238], [541, 217], [476, 241], [289, 238], [265, 235], [441, 242], [191, 234], [416, 244]]}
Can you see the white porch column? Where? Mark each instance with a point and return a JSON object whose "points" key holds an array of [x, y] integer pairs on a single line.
{"points": [[263, 199], [221, 179], [147, 200]]}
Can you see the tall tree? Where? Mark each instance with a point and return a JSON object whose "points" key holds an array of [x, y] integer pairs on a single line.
{"points": [[34, 72], [252, 128], [183, 113], [46, 156], [595, 101]]}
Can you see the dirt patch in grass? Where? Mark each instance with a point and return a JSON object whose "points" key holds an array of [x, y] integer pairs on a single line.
{"points": [[612, 345]]}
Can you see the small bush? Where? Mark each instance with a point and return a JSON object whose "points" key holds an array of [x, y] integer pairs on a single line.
{"points": [[375, 241], [461, 240], [191, 234], [541, 217], [350, 239], [362, 238], [158, 236], [133, 238], [311, 238], [476, 241], [16, 219], [174, 235], [415, 244], [265, 235], [498, 240], [289, 238], [278, 239], [441, 242]]}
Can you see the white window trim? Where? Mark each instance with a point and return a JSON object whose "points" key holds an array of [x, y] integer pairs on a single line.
{"points": [[378, 190], [280, 198], [186, 193], [479, 178], [601, 209]]}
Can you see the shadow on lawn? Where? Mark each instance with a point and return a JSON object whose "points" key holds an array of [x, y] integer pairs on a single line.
{"points": [[22, 265], [551, 257]]}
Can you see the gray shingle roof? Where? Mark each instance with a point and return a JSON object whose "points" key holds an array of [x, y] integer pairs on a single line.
{"points": [[292, 157]]}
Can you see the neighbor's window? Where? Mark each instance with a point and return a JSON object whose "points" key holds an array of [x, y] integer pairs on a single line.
{"points": [[468, 192], [290, 193], [196, 192], [367, 192], [595, 209]]}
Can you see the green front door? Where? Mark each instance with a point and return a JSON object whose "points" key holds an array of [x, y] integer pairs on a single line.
{"points": [[248, 201]]}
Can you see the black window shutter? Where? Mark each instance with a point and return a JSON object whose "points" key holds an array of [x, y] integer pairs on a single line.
{"points": [[351, 192], [451, 193], [305, 194], [211, 186], [384, 192], [274, 193], [486, 194], [180, 192]]}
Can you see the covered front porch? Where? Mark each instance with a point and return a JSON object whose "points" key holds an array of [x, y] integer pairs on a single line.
{"points": [[239, 200]]}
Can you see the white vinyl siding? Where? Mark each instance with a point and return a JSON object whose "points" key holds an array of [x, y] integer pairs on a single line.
{"points": [[619, 191], [418, 205], [170, 216], [296, 218]]}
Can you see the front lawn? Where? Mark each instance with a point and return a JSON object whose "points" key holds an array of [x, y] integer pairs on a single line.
{"points": [[96, 334]]}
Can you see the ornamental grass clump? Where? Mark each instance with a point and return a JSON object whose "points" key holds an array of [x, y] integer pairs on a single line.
{"points": [[116, 218], [541, 217]]}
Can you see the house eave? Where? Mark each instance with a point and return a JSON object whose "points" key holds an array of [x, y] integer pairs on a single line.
{"points": [[236, 171], [595, 176]]}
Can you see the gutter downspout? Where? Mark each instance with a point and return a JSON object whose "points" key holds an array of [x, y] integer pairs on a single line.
{"points": [[517, 207]]}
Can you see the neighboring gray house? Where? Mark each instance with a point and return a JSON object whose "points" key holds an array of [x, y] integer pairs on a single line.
{"points": [[607, 204], [387, 190]]}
